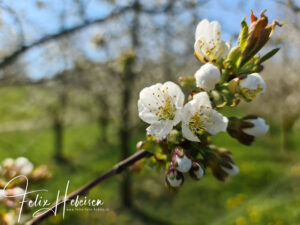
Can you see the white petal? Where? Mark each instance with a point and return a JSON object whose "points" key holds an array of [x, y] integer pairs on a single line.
{"points": [[177, 117], [188, 134], [184, 164], [202, 99], [160, 129], [253, 81], [145, 114], [148, 99], [216, 122], [260, 127], [201, 29], [216, 30], [174, 182], [231, 172], [175, 92], [199, 172], [207, 77], [198, 49]]}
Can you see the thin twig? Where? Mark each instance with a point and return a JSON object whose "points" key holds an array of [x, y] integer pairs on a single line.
{"points": [[118, 168]]}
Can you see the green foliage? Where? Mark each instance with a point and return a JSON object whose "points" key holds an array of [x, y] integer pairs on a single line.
{"points": [[268, 55], [242, 41]]}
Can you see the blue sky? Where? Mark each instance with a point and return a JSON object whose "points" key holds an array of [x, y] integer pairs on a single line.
{"points": [[40, 21]]}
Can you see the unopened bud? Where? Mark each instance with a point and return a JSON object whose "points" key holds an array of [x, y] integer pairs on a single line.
{"points": [[174, 178], [207, 77], [180, 161], [260, 128], [196, 172]]}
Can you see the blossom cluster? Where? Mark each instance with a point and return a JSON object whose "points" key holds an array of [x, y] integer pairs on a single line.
{"points": [[13, 185], [180, 131]]}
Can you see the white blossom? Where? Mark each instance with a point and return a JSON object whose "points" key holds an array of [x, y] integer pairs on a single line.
{"points": [[207, 77], [208, 44], [198, 116], [160, 105], [259, 129], [252, 85], [23, 166]]}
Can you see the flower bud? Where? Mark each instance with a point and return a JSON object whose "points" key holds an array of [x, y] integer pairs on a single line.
{"points": [[207, 77], [174, 178], [221, 163], [8, 163], [259, 129], [259, 34], [235, 130], [247, 128], [252, 85], [180, 161], [231, 169], [23, 166], [196, 172]]}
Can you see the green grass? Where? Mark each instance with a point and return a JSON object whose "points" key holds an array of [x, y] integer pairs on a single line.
{"points": [[266, 191]]}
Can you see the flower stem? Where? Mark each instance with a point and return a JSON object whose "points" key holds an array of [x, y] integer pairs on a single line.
{"points": [[224, 77]]}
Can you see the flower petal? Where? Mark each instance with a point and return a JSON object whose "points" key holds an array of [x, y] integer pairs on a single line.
{"points": [[188, 134], [202, 99], [259, 129], [216, 121], [175, 92], [160, 129], [207, 77], [145, 113]]}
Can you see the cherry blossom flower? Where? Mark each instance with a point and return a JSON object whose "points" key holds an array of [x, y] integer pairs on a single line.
{"points": [[160, 105], [198, 116], [208, 44], [207, 77]]}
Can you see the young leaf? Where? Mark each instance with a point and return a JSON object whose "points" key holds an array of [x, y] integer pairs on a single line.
{"points": [[242, 41], [268, 55]]}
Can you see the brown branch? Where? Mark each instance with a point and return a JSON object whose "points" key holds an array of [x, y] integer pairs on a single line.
{"points": [[11, 58], [118, 168]]}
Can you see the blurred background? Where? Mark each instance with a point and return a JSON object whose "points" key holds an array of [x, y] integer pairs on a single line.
{"points": [[70, 75]]}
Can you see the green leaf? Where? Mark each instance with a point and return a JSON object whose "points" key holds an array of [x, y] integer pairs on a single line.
{"points": [[268, 55], [243, 37], [232, 61]]}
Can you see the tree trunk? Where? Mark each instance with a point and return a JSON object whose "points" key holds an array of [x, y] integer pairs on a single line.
{"points": [[287, 132], [124, 140], [58, 131], [103, 119]]}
